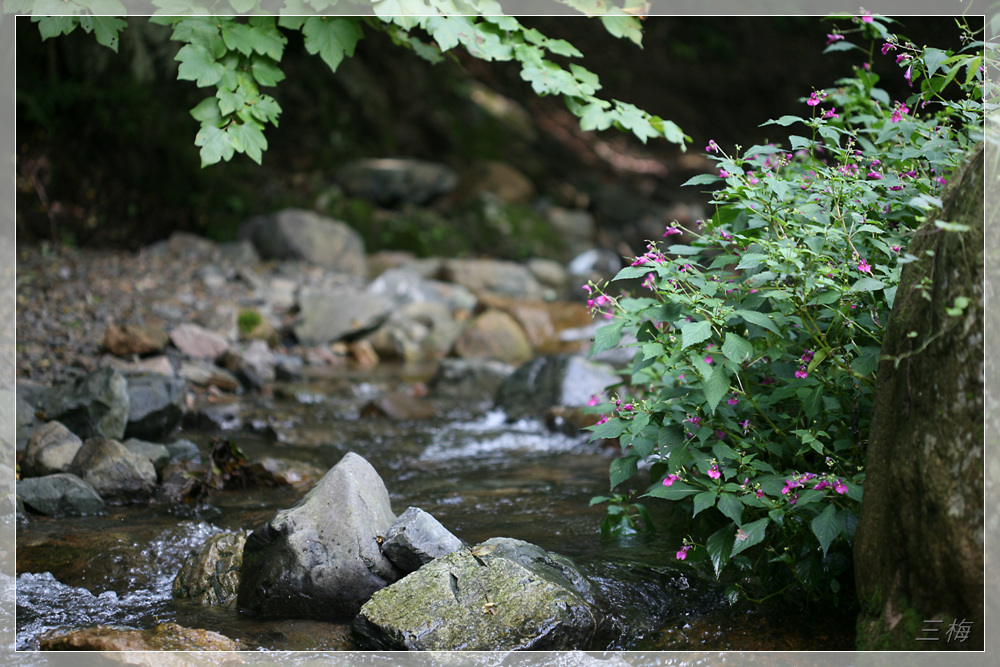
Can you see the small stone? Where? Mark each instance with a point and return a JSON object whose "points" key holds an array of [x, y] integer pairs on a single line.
{"points": [[134, 339], [113, 471], [416, 538], [50, 449], [198, 342], [211, 575], [494, 335]]}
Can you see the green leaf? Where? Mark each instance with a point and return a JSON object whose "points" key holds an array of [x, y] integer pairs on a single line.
{"points": [[238, 36], [594, 116], [639, 423], [703, 501], [229, 102], [749, 535], [266, 71], [751, 260], [622, 469], [716, 387], [867, 285], [607, 337], [215, 145], [813, 402], [248, 139], [784, 121], [693, 333], [719, 546], [702, 179], [54, 26], [736, 348], [107, 29], [826, 527], [933, 59], [624, 26], [730, 505], [760, 319], [207, 112], [198, 65], [332, 38], [675, 491], [268, 40], [609, 430]]}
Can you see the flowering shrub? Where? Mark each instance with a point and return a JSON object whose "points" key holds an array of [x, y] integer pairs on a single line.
{"points": [[757, 342]]}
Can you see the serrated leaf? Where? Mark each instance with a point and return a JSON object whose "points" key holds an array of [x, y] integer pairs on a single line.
{"points": [[207, 112], [266, 109], [736, 348], [238, 36], [702, 179], [749, 534], [198, 65], [332, 38], [751, 260], [693, 333], [54, 26], [229, 102], [624, 26], [622, 469], [703, 501], [933, 59], [266, 71], [716, 387], [607, 337], [826, 526], [248, 139], [760, 319], [268, 40], [107, 29], [867, 285], [729, 504], [675, 491], [215, 145], [609, 430], [784, 121], [639, 423], [719, 546]]}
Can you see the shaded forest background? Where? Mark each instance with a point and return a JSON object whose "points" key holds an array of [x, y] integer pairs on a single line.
{"points": [[105, 153]]}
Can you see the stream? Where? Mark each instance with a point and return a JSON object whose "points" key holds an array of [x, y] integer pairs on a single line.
{"points": [[479, 474]]}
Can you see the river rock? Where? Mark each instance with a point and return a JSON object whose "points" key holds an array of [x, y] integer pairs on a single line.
{"points": [[50, 449], [501, 595], [494, 334], [328, 315], [207, 374], [272, 471], [469, 377], [920, 539], [253, 365], [157, 454], [499, 179], [126, 340], [394, 181], [320, 558], [399, 406], [493, 275], [156, 404], [60, 494], [198, 342], [115, 472], [594, 264], [416, 538], [164, 637], [405, 286], [96, 404], [416, 332], [545, 321], [211, 574], [299, 234], [547, 381]]}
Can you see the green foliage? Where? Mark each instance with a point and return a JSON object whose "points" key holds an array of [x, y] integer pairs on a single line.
{"points": [[238, 56], [757, 343], [248, 320]]}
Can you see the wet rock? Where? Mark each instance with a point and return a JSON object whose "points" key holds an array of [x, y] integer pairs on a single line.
{"points": [[503, 594], [545, 321], [493, 275], [469, 377], [499, 179], [398, 406], [154, 452], [198, 342], [253, 365], [416, 538], [405, 286], [549, 273], [24, 416], [391, 182], [115, 472], [50, 449], [96, 404], [331, 315], [280, 472], [164, 637], [416, 332], [566, 380], [183, 450], [207, 374], [494, 334], [211, 574], [300, 234], [156, 404], [60, 494], [158, 365], [920, 538], [311, 562], [223, 416], [126, 340]]}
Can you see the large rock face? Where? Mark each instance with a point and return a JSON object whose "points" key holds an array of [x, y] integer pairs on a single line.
{"points": [[95, 405], [503, 594], [320, 559], [919, 544], [301, 234], [156, 404]]}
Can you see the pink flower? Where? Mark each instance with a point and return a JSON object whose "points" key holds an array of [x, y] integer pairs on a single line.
{"points": [[694, 420], [866, 16], [802, 373], [789, 485], [896, 248], [831, 113], [864, 267], [708, 360], [807, 356], [887, 47], [670, 479], [759, 493], [593, 400], [683, 553], [721, 435], [733, 401], [586, 288], [713, 472], [899, 112], [819, 486], [671, 230], [746, 425], [712, 147], [602, 420], [873, 174], [840, 487], [908, 75], [816, 98], [723, 173], [831, 38]]}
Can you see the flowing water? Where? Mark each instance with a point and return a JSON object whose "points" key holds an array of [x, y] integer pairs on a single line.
{"points": [[477, 473]]}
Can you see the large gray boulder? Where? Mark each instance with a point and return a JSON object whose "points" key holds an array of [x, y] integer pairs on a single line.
{"points": [[327, 315], [493, 275], [554, 380], [114, 471], [320, 559], [156, 404], [920, 540], [300, 234], [96, 405], [60, 494], [501, 595], [50, 449]]}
